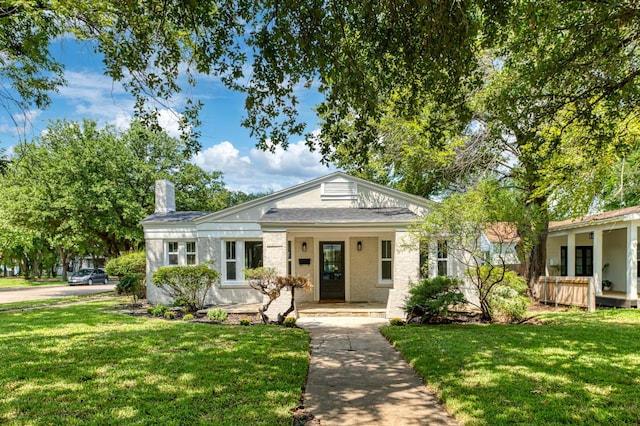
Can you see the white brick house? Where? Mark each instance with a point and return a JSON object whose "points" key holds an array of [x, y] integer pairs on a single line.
{"points": [[348, 235]]}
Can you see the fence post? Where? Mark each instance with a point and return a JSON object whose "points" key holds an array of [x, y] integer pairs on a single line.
{"points": [[556, 292], [544, 291]]}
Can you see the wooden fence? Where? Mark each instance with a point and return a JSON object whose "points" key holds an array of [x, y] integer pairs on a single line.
{"points": [[569, 291]]}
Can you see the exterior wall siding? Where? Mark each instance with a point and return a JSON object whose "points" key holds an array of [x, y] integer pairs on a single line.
{"points": [[364, 271], [405, 271]]}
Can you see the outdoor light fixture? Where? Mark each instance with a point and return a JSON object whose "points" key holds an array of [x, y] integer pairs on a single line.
{"points": [[359, 245], [304, 246], [591, 235]]}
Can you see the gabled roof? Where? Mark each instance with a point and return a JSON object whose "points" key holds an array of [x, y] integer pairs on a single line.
{"points": [[337, 215], [628, 213], [502, 232], [174, 217], [309, 185]]}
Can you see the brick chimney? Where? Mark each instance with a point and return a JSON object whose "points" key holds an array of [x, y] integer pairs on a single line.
{"points": [[165, 196]]}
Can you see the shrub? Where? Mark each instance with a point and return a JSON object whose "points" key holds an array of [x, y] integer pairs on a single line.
{"points": [[431, 299], [130, 285], [217, 314], [158, 310], [187, 285], [169, 315], [397, 321], [508, 298], [187, 317], [289, 322], [129, 265], [245, 321]]}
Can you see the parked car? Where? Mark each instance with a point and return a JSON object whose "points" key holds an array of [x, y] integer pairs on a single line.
{"points": [[89, 276]]}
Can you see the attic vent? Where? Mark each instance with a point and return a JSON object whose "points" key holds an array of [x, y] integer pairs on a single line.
{"points": [[339, 191]]}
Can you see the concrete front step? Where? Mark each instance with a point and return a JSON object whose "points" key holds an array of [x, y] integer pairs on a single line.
{"points": [[342, 313], [344, 309]]}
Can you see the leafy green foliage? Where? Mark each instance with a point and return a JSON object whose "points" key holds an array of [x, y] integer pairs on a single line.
{"points": [[397, 322], [245, 321], [127, 264], [187, 285], [187, 317], [130, 285], [289, 322], [169, 315], [507, 298], [217, 314], [430, 299], [158, 310]]}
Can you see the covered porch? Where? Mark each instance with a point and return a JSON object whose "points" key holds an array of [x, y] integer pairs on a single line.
{"points": [[601, 249]]}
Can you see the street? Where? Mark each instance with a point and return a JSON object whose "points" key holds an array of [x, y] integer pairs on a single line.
{"points": [[51, 292]]}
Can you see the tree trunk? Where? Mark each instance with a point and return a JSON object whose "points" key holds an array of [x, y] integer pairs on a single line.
{"points": [[538, 254]]}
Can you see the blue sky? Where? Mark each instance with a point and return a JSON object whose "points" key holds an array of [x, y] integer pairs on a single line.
{"points": [[226, 146]]}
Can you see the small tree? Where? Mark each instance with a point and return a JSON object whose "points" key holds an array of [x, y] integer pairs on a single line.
{"points": [[267, 282], [507, 298], [187, 285], [431, 299], [131, 269], [460, 219]]}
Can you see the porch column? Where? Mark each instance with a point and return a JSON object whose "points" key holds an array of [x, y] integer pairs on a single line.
{"points": [[571, 254], [597, 260], [274, 255], [406, 270], [632, 261]]}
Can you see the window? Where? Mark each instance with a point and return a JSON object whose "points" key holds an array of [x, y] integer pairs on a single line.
{"points": [[424, 259], [386, 260], [230, 255], [172, 250], [443, 258], [584, 261], [252, 254], [191, 252], [180, 253], [563, 261], [240, 255]]}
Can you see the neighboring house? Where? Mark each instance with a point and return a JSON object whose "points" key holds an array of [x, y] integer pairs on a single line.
{"points": [[348, 235], [499, 243], [603, 246]]}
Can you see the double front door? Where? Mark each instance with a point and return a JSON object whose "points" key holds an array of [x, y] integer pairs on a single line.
{"points": [[332, 270]]}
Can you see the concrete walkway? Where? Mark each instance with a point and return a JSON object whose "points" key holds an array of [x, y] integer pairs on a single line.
{"points": [[356, 377]]}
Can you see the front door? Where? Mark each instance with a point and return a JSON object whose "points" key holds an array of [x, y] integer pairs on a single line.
{"points": [[332, 270]]}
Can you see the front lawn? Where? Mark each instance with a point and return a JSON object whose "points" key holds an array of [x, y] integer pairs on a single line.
{"points": [[20, 282], [578, 368], [82, 364]]}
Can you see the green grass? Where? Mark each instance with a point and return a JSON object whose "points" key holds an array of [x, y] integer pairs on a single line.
{"points": [[82, 364], [20, 282], [576, 369]]}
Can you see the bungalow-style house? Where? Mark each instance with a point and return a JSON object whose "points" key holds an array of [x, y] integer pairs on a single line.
{"points": [[349, 236], [604, 247]]}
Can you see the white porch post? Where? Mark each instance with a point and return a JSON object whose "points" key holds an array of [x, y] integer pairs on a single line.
{"points": [[632, 261], [571, 254], [597, 260], [406, 270]]}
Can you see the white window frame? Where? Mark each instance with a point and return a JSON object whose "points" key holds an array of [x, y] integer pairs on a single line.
{"points": [[239, 261], [181, 253], [442, 258], [385, 282]]}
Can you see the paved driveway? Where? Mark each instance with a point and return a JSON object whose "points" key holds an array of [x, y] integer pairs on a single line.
{"points": [[51, 292]]}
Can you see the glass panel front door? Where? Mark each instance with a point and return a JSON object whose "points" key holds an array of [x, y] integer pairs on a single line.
{"points": [[332, 271]]}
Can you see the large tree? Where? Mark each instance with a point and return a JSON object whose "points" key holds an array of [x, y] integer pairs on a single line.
{"points": [[85, 189]]}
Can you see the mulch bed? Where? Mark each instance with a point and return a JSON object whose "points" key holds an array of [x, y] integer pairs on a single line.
{"points": [[140, 310]]}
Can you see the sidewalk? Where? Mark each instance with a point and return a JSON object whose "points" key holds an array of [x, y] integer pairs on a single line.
{"points": [[356, 377]]}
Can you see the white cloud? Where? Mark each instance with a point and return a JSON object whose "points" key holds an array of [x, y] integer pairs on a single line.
{"points": [[262, 171]]}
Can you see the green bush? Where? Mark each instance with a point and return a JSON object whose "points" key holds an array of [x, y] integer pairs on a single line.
{"points": [[397, 321], [187, 317], [245, 321], [129, 265], [431, 299], [169, 315], [129, 285], [187, 285], [217, 314], [289, 322], [158, 310], [508, 298]]}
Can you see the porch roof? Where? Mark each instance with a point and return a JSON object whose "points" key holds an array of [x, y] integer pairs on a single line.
{"points": [[338, 215], [628, 213]]}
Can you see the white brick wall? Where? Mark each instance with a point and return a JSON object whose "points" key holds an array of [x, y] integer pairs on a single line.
{"points": [[405, 271]]}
